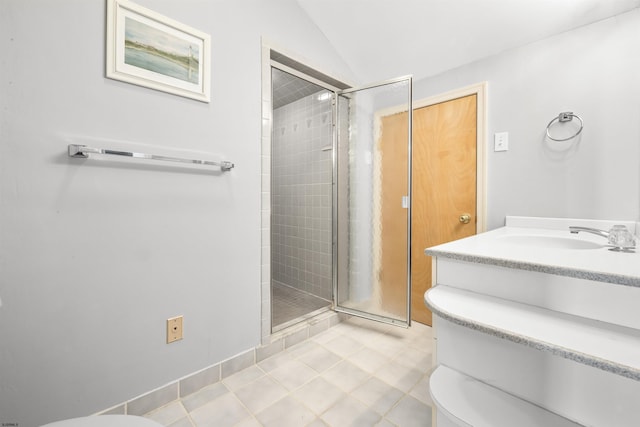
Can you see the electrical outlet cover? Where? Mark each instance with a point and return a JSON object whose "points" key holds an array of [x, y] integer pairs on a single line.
{"points": [[174, 329]]}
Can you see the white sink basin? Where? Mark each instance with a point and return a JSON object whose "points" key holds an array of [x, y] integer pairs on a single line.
{"points": [[554, 242]]}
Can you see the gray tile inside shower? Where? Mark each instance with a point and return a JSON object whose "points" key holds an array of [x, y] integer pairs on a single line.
{"points": [[301, 196]]}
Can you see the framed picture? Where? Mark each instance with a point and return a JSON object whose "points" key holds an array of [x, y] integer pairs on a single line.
{"points": [[151, 50]]}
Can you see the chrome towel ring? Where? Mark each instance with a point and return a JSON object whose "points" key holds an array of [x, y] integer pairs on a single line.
{"points": [[565, 117]]}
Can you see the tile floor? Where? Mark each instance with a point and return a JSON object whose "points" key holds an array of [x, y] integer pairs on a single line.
{"points": [[358, 373], [289, 304]]}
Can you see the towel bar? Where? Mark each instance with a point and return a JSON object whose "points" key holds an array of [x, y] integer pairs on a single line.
{"points": [[82, 151]]}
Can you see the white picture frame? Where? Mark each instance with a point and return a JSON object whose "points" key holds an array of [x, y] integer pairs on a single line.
{"points": [[151, 50]]}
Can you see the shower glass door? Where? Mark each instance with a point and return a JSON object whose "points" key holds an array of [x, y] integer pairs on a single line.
{"points": [[371, 209]]}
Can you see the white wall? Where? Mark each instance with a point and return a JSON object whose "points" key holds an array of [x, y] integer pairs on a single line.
{"points": [[95, 255], [593, 71]]}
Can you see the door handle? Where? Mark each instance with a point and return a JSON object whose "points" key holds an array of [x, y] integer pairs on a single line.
{"points": [[465, 218]]}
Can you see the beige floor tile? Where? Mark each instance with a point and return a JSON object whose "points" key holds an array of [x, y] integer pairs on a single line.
{"points": [[378, 395], [421, 391], [293, 374], [359, 373], [243, 377], [204, 396], [421, 329], [318, 423], [320, 359], [350, 412], [389, 346], [275, 361], [413, 358], [399, 376], [368, 359], [182, 422], [346, 376], [260, 393], [287, 412], [343, 346], [226, 410], [300, 349], [168, 414], [410, 413], [327, 336], [419, 332], [364, 333], [249, 422], [319, 395]]}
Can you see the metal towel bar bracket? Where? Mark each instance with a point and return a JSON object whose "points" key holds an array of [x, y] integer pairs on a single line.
{"points": [[82, 151]]}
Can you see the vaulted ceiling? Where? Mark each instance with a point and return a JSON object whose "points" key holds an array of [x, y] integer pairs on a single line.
{"points": [[382, 39]]}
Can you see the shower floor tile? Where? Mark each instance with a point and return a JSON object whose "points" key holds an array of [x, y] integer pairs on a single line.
{"points": [[290, 305]]}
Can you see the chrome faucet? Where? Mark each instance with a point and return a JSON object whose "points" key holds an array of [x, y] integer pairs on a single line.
{"points": [[576, 230], [619, 237]]}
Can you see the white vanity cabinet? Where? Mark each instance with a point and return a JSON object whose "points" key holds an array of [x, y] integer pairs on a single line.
{"points": [[535, 326]]}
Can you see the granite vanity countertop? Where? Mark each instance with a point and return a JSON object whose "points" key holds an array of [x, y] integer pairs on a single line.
{"points": [[608, 347], [508, 247]]}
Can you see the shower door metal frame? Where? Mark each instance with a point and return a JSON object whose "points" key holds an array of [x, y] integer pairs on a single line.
{"points": [[336, 124]]}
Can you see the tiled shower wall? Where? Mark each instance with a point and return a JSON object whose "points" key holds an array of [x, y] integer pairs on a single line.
{"points": [[301, 173]]}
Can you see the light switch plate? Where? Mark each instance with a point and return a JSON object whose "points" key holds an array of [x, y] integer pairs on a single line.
{"points": [[501, 141]]}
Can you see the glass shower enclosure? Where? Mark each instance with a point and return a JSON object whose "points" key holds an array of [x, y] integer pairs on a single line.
{"points": [[372, 213], [340, 199]]}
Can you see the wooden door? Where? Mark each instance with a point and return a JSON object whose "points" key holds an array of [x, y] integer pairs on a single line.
{"points": [[443, 188], [393, 184]]}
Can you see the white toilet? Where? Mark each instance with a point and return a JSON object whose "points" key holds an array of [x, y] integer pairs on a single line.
{"points": [[106, 421]]}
